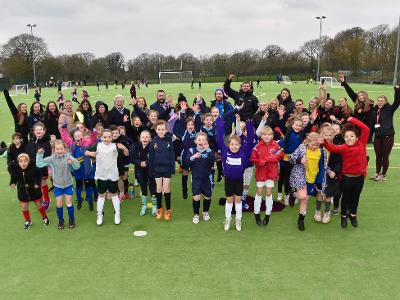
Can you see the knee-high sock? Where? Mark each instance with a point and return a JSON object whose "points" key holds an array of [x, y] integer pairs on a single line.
{"points": [[116, 203], [206, 205], [196, 207], [167, 197], [268, 204], [100, 204], [257, 204], [244, 195], [159, 197], [327, 206], [238, 208], [71, 214], [228, 210], [184, 182], [27, 215], [60, 213], [318, 205], [45, 191], [126, 185], [41, 210]]}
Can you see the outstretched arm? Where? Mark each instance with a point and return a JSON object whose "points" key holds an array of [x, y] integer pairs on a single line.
{"points": [[349, 90], [396, 101], [227, 87]]}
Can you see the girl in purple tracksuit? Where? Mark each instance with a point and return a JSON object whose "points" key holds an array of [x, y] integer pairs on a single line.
{"points": [[234, 158]]}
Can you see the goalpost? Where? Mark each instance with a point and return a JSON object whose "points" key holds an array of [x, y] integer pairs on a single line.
{"points": [[286, 80], [331, 81], [175, 77], [66, 85], [19, 89]]}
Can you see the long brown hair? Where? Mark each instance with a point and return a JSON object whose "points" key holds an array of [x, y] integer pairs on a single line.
{"points": [[364, 105], [347, 111], [21, 116]]}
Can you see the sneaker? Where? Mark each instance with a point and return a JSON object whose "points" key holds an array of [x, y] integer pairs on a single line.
{"points": [[185, 194], [71, 224], [280, 197], [326, 218], [99, 219], [60, 224], [136, 183], [258, 219], [238, 224], [167, 215], [374, 177], [196, 219], [143, 209], [90, 206], [381, 178], [300, 225], [335, 211], [353, 221], [343, 221], [46, 222], [117, 218], [266, 220], [227, 224], [79, 206], [153, 207], [286, 200], [206, 216], [317, 216], [159, 214], [27, 224]]}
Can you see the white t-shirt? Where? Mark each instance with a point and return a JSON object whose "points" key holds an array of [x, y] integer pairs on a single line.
{"points": [[106, 162]]}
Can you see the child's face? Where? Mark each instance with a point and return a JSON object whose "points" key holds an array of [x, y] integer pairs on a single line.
{"points": [[263, 107], [267, 137], [59, 149], [78, 136], [24, 108], [107, 137], [328, 104], [145, 138], [99, 130], [305, 120], [23, 162], [136, 122], [297, 126], [234, 146], [80, 126], [17, 140], [215, 112], [342, 102], [350, 138], [273, 105], [115, 134], [336, 128], [161, 130], [39, 132], [328, 135], [208, 121], [153, 117], [190, 126], [122, 131], [314, 145], [36, 108], [52, 107], [201, 141]]}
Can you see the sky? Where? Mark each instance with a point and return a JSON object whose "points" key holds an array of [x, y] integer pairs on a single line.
{"points": [[173, 27]]}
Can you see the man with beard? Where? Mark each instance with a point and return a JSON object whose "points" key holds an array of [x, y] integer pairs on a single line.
{"points": [[161, 106]]}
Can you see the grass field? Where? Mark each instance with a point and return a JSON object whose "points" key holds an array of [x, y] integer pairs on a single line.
{"points": [[180, 260]]}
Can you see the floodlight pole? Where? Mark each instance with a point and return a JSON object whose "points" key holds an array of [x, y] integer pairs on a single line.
{"points": [[319, 46], [397, 55], [33, 59]]}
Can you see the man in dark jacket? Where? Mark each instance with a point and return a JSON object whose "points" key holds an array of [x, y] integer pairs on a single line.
{"points": [[161, 106], [119, 115], [243, 97]]}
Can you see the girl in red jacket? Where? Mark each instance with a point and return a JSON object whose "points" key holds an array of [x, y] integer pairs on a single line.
{"points": [[354, 169], [265, 156]]}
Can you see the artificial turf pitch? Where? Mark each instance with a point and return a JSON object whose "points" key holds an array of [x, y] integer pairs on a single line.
{"points": [[180, 260]]}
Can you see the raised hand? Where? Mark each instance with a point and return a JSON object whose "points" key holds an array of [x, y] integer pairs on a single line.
{"points": [[342, 78], [232, 77]]}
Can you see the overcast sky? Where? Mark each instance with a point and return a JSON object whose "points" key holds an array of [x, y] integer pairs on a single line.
{"points": [[173, 27]]}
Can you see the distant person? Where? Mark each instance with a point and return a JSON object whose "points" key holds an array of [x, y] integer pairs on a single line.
{"points": [[132, 90], [115, 84], [123, 84], [37, 95], [199, 84], [106, 85], [192, 84], [258, 83], [98, 85], [59, 86]]}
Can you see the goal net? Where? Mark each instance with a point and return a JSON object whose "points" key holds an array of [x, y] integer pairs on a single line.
{"points": [[66, 85], [19, 89], [286, 80], [331, 81], [175, 77]]}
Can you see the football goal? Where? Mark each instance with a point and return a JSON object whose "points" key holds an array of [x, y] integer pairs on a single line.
{"points": [[331, 81], [175, 77], [66, 85], [19, 89], [286, 80]]}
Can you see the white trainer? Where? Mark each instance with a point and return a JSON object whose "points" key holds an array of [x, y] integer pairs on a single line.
{"points": [[317, 216], [326, 218], [286, 200], [238, 224], [117, 219], [227, 224], [196, 219], [99, 219], [206, 216], [280, 197]]}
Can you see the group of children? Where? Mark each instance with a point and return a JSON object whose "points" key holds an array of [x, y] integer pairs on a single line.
{"points": [[313, 162]]}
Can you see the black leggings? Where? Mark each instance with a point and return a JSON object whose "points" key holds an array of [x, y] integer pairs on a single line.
{"points": [[284, 177], [351, 188], [383, 146], [144, 181]]}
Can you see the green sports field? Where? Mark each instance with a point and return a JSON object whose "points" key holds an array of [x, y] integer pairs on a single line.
{"points": [[180, 260]]}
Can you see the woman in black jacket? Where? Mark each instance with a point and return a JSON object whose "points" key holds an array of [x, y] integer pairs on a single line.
{"points": [[84, 114], [382, 122], [20, 116], [101, 115], [50, 119]]}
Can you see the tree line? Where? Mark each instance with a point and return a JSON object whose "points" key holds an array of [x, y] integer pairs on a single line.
{"points": [[357, 50]]}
